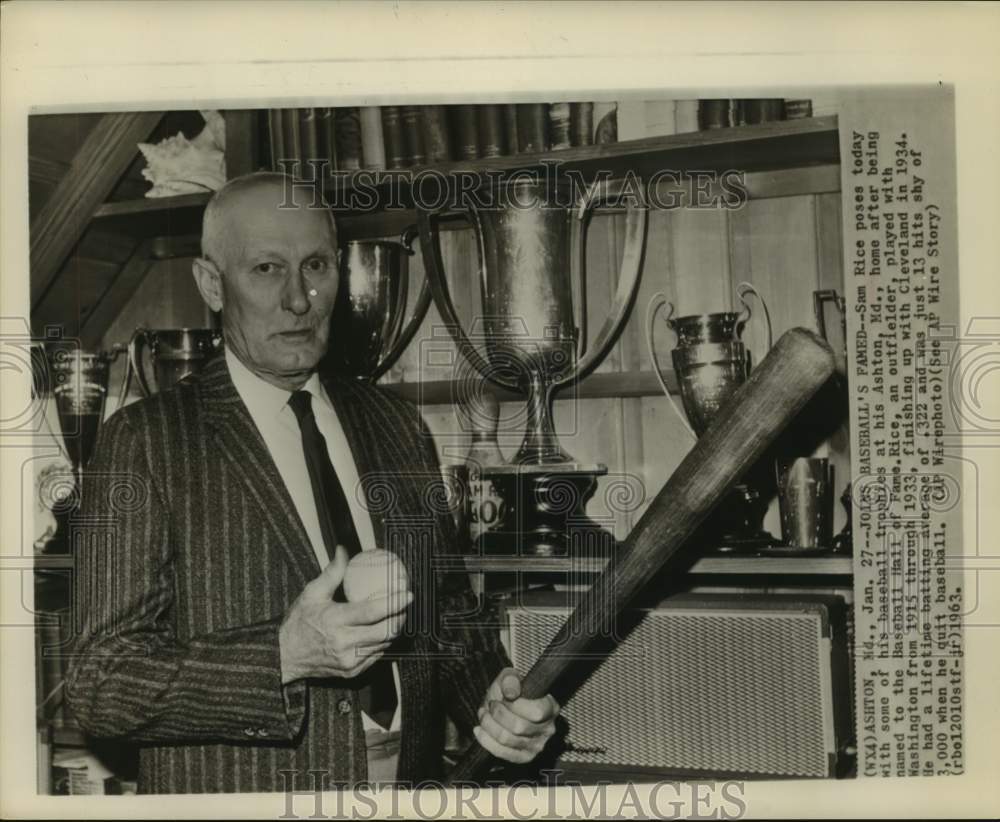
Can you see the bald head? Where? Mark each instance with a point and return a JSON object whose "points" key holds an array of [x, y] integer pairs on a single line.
{"points": [[254, 193]]}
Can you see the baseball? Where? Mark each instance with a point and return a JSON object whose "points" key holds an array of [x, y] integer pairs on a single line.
{"points": [[376, 573]]}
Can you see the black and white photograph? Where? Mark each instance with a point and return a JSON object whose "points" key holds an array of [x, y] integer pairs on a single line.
{"points": [[524, 429]]}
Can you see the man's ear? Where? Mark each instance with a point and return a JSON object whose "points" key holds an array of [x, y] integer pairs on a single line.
{"points": [[208, 278]]}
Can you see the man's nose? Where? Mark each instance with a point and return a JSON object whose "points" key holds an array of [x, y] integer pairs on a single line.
{"points": [[296, 294]]}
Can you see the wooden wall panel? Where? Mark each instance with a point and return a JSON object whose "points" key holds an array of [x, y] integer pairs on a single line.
{"points": [[700, 261], [781, 256]]}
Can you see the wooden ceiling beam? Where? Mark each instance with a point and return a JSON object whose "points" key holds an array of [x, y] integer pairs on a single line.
{"points": [[102, 159]]}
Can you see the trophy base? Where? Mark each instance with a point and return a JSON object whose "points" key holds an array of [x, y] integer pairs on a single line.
{"points": [[545, 505], [740, 544], [782, 550]]}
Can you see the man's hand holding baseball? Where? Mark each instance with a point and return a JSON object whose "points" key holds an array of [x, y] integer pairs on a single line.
{"points": [[323, 638]]}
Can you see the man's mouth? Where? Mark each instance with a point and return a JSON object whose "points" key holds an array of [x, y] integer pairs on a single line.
{"points": [[296, 335]]}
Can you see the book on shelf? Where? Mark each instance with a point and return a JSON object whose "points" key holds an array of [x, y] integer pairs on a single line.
{"points": [[558, 137], [276, 137], [392, 132], [581, 124], [798, 109], [532, 128], [327, 136], [492, 137], [437, 140], [756, 110], [605, 123], [510, 127], [465, 128], [347, 131], [293, 139], [413, 137], [714, 113], [372, 138], [309, 139]]}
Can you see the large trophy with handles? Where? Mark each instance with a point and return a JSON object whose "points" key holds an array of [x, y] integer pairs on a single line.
{"points": [[531, 240]]}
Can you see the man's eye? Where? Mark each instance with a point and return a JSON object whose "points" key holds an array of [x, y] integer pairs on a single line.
{"points": [[316, 265], [265, 268]]}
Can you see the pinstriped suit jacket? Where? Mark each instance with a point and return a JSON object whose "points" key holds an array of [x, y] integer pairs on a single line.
{"points": [[192, 553]]}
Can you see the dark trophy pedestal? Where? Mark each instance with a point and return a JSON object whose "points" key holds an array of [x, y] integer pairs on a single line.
{"points": [[739, 521], [545, 511]]}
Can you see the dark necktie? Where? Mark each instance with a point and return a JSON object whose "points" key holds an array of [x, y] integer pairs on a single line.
{"points": [[378, 691]]}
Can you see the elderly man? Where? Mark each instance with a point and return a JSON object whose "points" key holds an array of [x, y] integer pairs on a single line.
{"points": [[215, 635]]}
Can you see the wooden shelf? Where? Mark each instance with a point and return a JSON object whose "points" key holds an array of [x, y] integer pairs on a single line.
{"points": [[780, 159], [601, 385], [823, 564], [723, 564], [776, 145], [154, 216]]}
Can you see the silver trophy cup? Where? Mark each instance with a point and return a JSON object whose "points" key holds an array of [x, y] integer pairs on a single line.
{"points": [[710, 363], [174, 353], [368, 327]]}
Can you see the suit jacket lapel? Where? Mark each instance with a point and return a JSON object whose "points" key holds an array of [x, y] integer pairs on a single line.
{"points": [[243, 448]]}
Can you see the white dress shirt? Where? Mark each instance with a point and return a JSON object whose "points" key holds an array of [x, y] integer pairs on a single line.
{"points": [[274, 418]]}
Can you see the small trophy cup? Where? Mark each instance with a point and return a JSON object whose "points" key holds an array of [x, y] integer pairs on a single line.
{"points": [[531, 244], [710, 363], [79, 384], [805, 501], [175, 353], [367, 328]]}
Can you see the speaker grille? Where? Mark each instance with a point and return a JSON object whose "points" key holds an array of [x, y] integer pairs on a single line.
{"points": [[730, 690]]}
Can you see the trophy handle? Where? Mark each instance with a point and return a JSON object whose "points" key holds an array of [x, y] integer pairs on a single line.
{"points": [[430, 245], [407, 238], [628, 278], [402, 333], [140, 337], [655, 304], [132, 357], [742, 290], [820, 298]]}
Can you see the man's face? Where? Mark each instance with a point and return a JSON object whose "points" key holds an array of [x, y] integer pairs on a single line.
{"points": [[279, 283]]}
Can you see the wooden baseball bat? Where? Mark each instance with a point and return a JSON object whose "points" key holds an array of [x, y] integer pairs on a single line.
{"points": [[742, 430]]}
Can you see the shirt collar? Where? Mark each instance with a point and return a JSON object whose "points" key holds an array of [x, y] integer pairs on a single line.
{"points": [[261, 398]]}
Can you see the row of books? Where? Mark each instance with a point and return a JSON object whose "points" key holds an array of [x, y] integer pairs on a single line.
{"points": [[400, 137], [397, 137], [723, 113]]}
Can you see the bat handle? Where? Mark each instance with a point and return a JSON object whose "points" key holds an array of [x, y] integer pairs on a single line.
{"points": [[476, 760]]}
